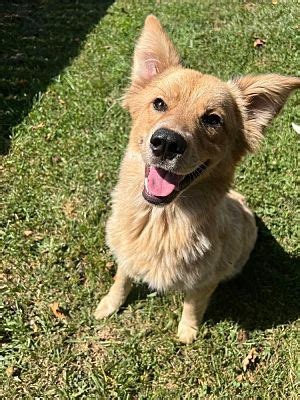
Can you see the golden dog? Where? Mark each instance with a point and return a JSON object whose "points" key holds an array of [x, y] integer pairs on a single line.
{"points": [[175, 223]]}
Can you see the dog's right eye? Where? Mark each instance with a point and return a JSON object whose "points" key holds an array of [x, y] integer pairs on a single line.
{"points": [[159, 105], [211, 120]]}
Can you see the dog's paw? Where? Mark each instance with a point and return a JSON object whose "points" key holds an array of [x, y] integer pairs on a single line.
{"points": [[186, 334], [105, 308]]}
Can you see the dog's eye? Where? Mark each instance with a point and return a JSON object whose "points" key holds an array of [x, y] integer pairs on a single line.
{"points": [[159, 105], [211, 120]]}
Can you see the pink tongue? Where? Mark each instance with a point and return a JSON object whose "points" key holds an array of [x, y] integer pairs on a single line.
{"points": [[161, 183]]}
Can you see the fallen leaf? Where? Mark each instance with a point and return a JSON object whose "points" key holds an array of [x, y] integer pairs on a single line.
{"points": [[9, 371], [110, 264], [296, 128], [33, 325], [57, 311], [239, 378], [250, 360], [250, 6], [274, 2], [22, 82], [38, 126], [242, 336], [28, 232], [259, 42], [56, 159], [100, 175], [38, 237], [69, 208], [106, 334], [13, 371]]}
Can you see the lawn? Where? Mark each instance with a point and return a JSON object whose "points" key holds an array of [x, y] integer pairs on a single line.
{"points": [[61, 105]]}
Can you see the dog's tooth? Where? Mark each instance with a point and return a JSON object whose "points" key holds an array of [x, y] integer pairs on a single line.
{"points": [[146, 184]]}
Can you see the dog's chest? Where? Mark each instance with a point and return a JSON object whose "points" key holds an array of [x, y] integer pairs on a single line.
{"points": [[159, 247]]}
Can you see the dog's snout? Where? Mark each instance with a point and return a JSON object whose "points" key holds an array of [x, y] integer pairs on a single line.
{"points": [[167, 144]]}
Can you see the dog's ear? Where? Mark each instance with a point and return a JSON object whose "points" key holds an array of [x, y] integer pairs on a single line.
{"points": [[263, 97], [154, 52]]}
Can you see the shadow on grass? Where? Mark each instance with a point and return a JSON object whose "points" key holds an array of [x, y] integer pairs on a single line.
{"points": [[38, 40], [266, 293]]}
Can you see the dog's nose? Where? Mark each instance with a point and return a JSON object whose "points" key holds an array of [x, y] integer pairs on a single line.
{"points": [[167, 144]]}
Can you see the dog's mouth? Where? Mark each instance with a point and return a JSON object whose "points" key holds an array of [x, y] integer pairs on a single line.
{"points": [[162, 186]]}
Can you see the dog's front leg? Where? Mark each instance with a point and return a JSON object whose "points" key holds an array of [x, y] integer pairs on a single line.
{"points": [[194, 306], [116, 296]]}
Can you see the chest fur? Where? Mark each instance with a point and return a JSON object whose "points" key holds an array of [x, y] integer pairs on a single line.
{"points": [[162, 248]]}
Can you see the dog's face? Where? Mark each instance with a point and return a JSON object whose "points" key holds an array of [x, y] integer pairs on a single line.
{"points": [[184, 128], [187, 125]]}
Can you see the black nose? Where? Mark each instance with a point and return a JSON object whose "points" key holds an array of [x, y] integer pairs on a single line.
{"points": [[166, 144]]}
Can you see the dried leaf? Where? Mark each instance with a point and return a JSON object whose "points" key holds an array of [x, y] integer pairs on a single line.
{"points": [[28, 232], [56, 159], [259, 42], [100, 175], [9, 371], [110, 264], [242, 336], [296, 128], [240, 377], [106, 334], [22, 82], [38, 237], [69, 208], [250, 360], [13, 371], [274, 2], [38, 126], [57, 311], [33, 325]]}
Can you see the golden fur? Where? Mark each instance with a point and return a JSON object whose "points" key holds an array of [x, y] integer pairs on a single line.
{"points": [[206, 234]]}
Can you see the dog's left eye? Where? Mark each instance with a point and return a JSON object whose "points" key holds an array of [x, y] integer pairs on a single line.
{"points": [[159, 105], [211, 119]]}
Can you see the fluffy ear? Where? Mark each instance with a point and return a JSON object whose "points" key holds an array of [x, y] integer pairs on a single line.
{"points": [[263, 97], [154, 52]]}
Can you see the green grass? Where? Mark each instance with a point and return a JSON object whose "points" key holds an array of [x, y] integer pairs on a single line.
{"points": [[56, 181], [38, 39]]}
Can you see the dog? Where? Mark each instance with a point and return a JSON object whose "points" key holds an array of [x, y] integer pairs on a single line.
{"points": [[175, 222]]}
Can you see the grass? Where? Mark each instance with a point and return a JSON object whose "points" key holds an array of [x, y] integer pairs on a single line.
{"points": [[38, 39], [56, 180]]}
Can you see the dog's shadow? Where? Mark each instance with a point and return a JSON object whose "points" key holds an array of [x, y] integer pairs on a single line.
{"points": [[264, 295], [38, 40]]}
